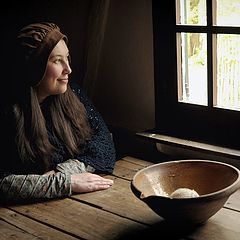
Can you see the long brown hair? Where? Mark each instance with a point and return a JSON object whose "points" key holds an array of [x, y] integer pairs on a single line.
{"points": [[69, 123]]}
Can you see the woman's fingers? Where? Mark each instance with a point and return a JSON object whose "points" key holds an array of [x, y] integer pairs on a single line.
{"points": [[88, 182]]}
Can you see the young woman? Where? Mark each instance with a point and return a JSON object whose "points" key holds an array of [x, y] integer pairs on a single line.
{"points": [[55, 142]]}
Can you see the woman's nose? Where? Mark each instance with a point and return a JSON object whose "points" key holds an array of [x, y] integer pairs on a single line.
{"points": [[67, 68]]}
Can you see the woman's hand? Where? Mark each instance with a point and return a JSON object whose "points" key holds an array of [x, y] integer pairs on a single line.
{"points": [[89, 182]]}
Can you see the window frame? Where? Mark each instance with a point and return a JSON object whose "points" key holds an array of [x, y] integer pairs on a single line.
{"points": [[206, 124]]}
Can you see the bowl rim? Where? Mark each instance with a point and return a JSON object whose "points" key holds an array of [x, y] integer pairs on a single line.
{"points": [[208, 195]]}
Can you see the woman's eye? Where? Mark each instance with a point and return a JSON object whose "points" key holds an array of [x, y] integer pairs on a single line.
{"points": [[58, 60]]}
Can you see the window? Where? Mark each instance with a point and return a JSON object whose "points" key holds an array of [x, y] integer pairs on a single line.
{"points": [[197, 70]]}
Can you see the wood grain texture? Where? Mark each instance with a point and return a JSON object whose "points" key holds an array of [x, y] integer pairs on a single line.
{"points": [[114, 213]]}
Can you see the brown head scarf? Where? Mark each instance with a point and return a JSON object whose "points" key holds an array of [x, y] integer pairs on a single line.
{"points": [[35, 42]]}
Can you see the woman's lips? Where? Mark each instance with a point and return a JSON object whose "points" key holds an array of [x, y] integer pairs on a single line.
{"points": [[63, 80]]}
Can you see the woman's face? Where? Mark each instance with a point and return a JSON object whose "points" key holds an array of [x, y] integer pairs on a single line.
{"points": [[55, 78]]}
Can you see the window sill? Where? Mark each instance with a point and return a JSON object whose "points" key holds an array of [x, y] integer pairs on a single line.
{"points": [[185, 148]]}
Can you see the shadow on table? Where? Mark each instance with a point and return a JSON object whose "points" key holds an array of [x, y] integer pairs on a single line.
{"points": [[161, 230]]}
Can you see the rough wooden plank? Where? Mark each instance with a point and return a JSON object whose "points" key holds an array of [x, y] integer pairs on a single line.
{"points": [[11, 232], [80, 219], [120, 200], [125, 204], [126, 170], [234, 201], [137, 161], [224, 225], [114, 213], [17, 226]]}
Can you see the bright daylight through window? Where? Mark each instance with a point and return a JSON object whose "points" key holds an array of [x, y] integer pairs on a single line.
{"points": [[200, 28]]}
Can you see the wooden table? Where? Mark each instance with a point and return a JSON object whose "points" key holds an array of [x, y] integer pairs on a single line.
{"points": [[114, 213]]}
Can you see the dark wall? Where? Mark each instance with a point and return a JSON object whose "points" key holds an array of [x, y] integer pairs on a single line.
{"points": [[126, 67], [70, 15]]}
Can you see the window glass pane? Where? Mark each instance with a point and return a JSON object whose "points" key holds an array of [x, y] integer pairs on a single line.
{"points": [[228, 12], [228, 71], [191, 12], [192, 68]]}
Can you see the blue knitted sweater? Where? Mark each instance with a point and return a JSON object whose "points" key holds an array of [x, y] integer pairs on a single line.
{"points": [[99, 151]]}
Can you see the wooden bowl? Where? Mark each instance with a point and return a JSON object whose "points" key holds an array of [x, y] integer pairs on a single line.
{"points": [[213, 181]]}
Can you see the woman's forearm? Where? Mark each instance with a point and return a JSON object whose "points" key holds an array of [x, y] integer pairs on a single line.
{"points": [[19, 187]]}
